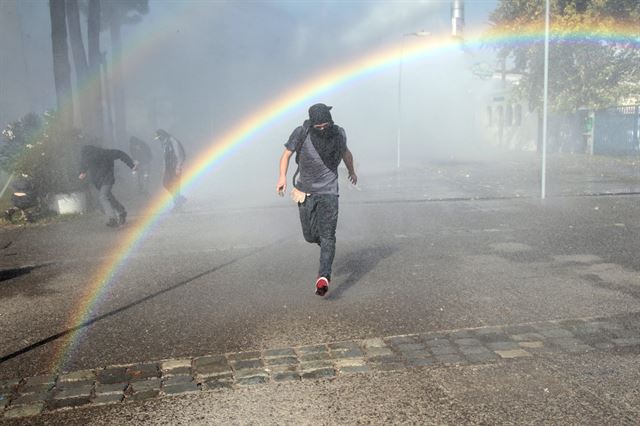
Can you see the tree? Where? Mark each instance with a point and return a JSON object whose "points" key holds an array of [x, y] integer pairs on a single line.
{"points": [[88, 81], [116, 14], [594, 72], [95, 59], [61, 67], [80, 64]]}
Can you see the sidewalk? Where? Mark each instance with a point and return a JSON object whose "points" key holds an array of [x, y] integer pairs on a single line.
{"points": [[497, 346]]}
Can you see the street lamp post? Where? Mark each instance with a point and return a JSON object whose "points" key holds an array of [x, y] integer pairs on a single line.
{"points": [[543, 174], [399, 119]]}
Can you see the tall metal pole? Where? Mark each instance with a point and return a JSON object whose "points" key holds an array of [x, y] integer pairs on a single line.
{"points": [[543, 181], [457, 18], [399, 118]]}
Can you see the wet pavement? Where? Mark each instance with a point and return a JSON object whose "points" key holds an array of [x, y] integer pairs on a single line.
{"points": [[495, 345], [451, 280]]}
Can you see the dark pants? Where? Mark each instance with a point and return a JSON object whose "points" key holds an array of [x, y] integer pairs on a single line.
{"points": [[319, 218], [143, 178], [110, 206], [171, 182]]}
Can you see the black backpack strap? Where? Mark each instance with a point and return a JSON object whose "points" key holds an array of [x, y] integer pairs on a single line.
{"points": [[295, 175], [305, 133]]}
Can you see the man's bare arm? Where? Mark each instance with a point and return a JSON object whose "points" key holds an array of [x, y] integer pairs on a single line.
{"points": [[281, 187], [347, 157]]}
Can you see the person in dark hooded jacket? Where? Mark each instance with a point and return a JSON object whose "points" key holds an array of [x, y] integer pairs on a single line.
{"points": [[174, 158], [141, 153], [99, 162], [320, 146]]}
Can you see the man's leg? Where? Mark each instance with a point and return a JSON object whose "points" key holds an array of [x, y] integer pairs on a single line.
{"points": [[171, 183], [108, 208], [167, 181], [308, 220], [327, 220], [115, 204], [178, 198], [119, 208]]}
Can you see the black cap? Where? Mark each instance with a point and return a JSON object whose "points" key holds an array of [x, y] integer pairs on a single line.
{"points": [[320, 113]]}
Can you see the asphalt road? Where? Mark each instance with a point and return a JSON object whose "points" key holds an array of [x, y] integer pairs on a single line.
{"points": [[446, 246]]}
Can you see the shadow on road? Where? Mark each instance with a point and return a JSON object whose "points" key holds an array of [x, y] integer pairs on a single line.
{"points": [[357, 264], [33, 286], [7, 274], [93, 320]]}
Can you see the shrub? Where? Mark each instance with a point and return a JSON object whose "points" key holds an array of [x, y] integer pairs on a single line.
{"points": [[43, 150], [20, 137]]}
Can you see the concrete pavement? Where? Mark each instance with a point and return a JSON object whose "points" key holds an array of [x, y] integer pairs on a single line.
{"points": [[521, 296]]}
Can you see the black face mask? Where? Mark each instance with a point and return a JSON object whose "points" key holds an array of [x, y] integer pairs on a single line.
{"points": [[327, 132], [327, 144]]}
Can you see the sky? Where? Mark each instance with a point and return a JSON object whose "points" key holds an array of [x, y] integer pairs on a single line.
{"points": [[197, 67], [224, 60]]}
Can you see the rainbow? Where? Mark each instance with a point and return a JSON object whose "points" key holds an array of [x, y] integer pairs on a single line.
{"points": [[246, 131]]}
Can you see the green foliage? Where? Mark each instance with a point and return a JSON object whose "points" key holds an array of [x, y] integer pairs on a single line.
{"points": [[44, 150], [594, 74], [19, 136]]}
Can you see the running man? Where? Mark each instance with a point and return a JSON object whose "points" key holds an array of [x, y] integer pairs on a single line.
{"points": [[320, 146]]}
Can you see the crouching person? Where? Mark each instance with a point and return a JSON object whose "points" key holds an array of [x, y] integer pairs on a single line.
{"points": [[98, 163]]}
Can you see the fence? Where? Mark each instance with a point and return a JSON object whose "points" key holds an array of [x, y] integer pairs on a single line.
{"points": [[615, 130]]}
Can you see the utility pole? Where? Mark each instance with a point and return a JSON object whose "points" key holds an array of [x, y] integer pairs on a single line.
{"points": [[457, 18], [543, 180]]}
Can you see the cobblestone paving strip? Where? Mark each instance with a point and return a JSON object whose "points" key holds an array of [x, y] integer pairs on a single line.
{"points": [[31, 396], [176, 367]]}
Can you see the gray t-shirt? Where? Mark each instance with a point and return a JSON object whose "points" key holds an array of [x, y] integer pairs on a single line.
{"points": [[314, 176]]}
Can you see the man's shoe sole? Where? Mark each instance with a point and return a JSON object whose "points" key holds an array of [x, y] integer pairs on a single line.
{"points": [[322, 287], [322, 291]]}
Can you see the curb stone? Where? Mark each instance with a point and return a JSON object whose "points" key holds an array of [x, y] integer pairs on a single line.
{"points": [[115, 384]]}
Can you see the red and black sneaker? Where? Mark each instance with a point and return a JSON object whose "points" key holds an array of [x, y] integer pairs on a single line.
{"points": [[322, 286]]}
